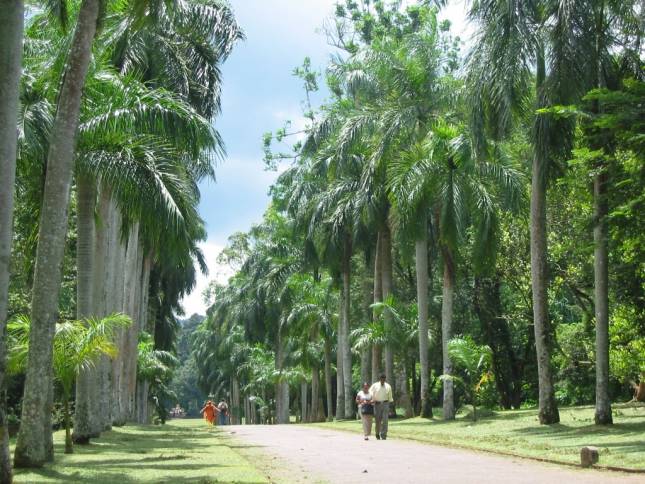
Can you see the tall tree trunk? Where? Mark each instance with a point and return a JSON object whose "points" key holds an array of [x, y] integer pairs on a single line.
{"points": [[366, 353], [127, 337], [107, 250], [601, 299], [87, 379], [347, 350], [142, 396], [304, 388], [340, 383], [282, 387], [446, 332], [315, 393], [116, 304], [11, 33], [378, 297], [548, 412], [601, 250], [133, 337], [377, 362], [421, 262], [366, 365], [328, 377], [385, 240], [100, 411], [236, 410], [35, 436]]}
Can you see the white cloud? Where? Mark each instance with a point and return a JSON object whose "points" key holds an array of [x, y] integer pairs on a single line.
{"points": [[194, 303]]}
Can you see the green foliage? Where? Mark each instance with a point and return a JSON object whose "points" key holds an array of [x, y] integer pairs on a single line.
{"points": [[474, 361], [627, 347], [575, 360], [156, 367]]}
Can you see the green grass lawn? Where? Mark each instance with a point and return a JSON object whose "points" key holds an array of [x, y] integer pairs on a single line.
{"points": [[180, 451], [518, 432]]}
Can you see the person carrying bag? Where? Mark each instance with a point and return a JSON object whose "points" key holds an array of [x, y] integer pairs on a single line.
{"points": [[366, 408]]}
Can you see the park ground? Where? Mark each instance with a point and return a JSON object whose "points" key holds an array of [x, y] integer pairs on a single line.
{"points": [[187, 451]]}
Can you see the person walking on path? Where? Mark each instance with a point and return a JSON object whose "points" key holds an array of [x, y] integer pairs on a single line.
{"points": [[366, 409], [223, 413], [382, 395], [209, 411]]}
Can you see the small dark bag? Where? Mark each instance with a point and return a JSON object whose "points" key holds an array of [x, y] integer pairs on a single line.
{"points": [[367, 409]]}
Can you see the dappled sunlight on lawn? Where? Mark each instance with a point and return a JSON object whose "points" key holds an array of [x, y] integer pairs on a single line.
{"points": [[181, 451]]}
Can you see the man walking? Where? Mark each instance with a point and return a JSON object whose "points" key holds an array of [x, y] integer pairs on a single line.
{"points": [[382, 396]]}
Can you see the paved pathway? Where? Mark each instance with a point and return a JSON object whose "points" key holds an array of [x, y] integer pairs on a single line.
{"points": [[314, 454]]}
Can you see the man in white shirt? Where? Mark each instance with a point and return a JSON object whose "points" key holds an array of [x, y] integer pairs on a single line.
{"points": [[382, 396]]}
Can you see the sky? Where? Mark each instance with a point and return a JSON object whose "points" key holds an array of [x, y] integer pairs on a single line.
{"points": [[260, 94]]}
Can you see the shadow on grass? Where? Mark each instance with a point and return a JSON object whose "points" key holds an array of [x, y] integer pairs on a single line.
{"points": [[245, 446], [568, 431], [74, 476]]}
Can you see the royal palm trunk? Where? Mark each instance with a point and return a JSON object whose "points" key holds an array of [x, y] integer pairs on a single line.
{"points": [[446, 332], [366, 353], [11, 33], [601, 254], [87, 379], [548, 408], [421, 262], [347, 351], [34, 443], [340, 384], [386, 274], [601, 300], [122, 366], [236, 410], [304, 388], [378, 297], [282, 386], [328, 379], [315, 394]]}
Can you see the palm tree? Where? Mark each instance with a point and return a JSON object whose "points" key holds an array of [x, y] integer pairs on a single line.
{"points": [[398, 85], [550, 36], [139, 140], [571, 47], [311, 315], [604, 20], [34, 444], [11, 18], [77, 346], [462, 188]]}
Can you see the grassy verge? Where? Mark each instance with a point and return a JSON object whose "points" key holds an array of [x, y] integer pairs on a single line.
{"points": [[519, 433], [180, 451]]}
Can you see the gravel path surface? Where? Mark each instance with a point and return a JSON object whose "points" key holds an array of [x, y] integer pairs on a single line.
{"points": [[318, 455]]}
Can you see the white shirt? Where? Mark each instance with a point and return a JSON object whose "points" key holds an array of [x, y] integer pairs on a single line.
{"points": [[363, 397], [381, 392]]}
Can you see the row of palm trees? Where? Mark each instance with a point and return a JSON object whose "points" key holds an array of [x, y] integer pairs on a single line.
{"points": [[408, 148], [118, 111]]}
